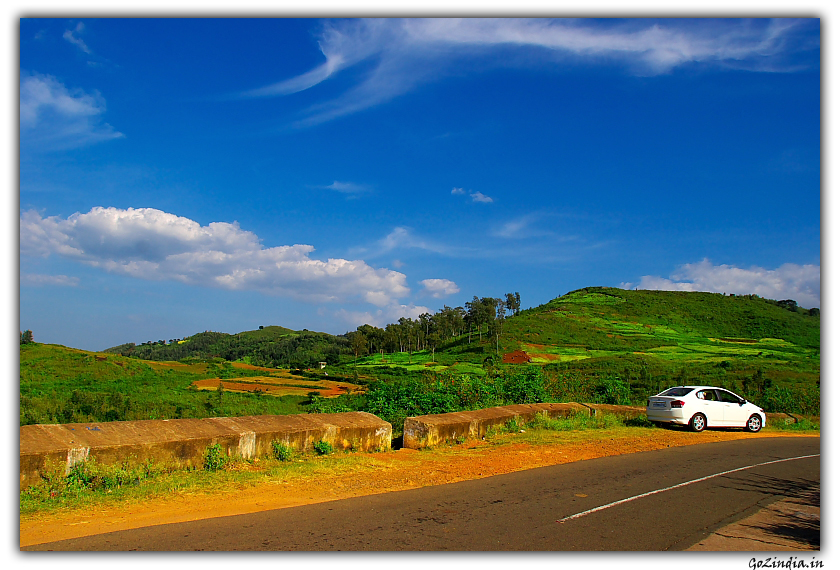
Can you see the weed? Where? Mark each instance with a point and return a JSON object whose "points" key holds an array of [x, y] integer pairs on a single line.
{"points": [[579, 421], [323, 448]]}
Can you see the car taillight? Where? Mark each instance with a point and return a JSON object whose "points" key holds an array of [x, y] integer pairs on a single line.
{"points": [[677, 404]]}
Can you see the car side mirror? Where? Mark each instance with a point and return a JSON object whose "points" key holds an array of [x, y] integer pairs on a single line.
{"points": [[741, 401]]}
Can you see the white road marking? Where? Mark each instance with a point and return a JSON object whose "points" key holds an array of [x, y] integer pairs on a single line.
{"points": [[627, 500]]}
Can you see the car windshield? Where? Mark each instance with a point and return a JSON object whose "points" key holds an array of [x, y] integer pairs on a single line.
{"points": [[676, 392]]}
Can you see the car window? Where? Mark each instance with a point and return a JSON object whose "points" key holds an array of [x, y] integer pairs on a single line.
{"points": [[708, 395], [728, 397], [676, 392]]}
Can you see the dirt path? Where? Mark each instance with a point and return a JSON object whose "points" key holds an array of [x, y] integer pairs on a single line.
{"points": [[370, 474]]}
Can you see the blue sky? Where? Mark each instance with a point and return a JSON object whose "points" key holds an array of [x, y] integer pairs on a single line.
{"points": [[183, 175]]}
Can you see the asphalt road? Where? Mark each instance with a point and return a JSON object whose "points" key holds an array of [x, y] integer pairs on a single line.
{"points": [[520, 511]]}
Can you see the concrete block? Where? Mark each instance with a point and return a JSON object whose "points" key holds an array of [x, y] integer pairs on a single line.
{"points": [[434, 429], [185, 441]]}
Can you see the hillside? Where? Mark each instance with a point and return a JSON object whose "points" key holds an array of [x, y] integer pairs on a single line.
{"points": [[63, 385], [592, 345], [644, 341], [270, 346]]}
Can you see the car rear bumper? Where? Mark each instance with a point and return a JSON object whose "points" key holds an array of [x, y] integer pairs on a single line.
{"points": [[674, 416]]}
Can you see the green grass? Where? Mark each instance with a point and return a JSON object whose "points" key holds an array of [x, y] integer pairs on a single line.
{"points": [[64, 385], [90, 484]]}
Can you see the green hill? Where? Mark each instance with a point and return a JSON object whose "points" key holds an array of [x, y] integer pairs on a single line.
{"points": [[270, 346], [599, 339]]}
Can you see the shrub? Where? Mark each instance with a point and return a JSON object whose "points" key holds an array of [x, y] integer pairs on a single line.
{"points": [[214, 458], [612, 391], [281, 451], [323, 448]]}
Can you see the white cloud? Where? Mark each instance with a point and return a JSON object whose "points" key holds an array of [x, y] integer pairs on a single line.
{"points": [[70, 36], [479, 197], [53, 117], [347, 187], [440, 288], [458, 191], [789, 281], [404, 53], [37, 280], [151, 244]]}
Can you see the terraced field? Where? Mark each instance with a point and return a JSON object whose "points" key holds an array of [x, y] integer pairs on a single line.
{"points": [[280, 384]]}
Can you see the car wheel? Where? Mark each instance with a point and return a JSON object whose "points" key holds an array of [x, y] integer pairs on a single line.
{"points": [[754, 424], [697, 422]]}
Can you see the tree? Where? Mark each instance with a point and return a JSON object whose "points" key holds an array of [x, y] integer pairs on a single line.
{"points": [[26, 337], [432, 341], [358, 344], [512, 303]]}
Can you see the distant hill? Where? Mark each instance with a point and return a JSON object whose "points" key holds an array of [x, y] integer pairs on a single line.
{"points": [[271, 346]]}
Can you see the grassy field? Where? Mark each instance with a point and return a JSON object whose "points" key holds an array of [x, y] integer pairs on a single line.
{"points": [[63, 385]]}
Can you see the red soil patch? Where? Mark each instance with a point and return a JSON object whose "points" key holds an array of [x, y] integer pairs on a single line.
{"points": [[516, 357], [277, 387]]}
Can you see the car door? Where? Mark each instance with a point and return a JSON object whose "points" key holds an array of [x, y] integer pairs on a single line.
{"points": [[711, 407], [734, 412]]}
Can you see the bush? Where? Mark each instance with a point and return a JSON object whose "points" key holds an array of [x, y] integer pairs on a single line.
{"points": [[612, 391], [323, 448], [281, 451], [215, 458]]}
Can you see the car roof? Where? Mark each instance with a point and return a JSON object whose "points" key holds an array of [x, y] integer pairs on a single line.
{"points": [[700, 387]]}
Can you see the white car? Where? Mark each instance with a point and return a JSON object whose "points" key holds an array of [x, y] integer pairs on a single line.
{"points": [[699, 407]]}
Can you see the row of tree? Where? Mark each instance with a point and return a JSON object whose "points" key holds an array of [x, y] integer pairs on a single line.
{"points": [[480, 317]]}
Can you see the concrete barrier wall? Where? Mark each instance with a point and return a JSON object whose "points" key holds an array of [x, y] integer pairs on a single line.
{"points": [[185, 441], [435, 429], [431, 430]]}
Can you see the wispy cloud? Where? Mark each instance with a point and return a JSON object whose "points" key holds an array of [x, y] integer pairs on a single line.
{"points": [[402, 238], [789, 281], [72, 37], [347, 187], [476, 196], [53, 117], [381, 317], [479, 197], [37, 280], [440, 288], [527, 227], [405, 53], [150, 244]]}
